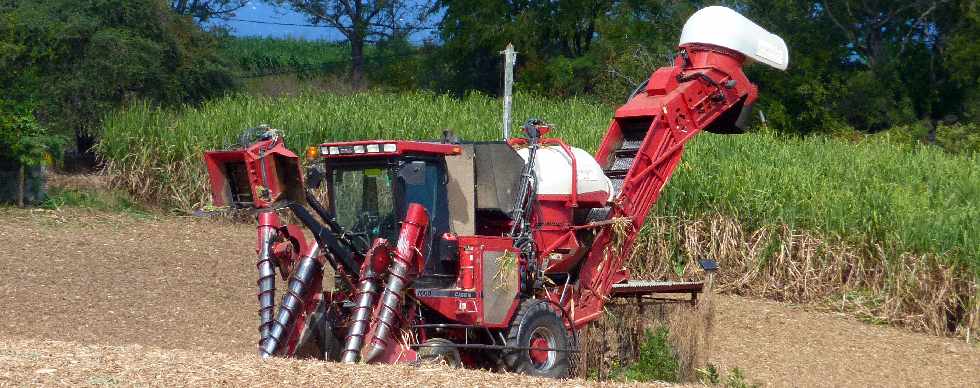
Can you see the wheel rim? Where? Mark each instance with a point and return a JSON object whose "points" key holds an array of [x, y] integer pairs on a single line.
{"points": [[542, 337]]}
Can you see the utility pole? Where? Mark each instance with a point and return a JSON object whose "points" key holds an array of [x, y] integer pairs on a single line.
{"points": [[510, 58]]}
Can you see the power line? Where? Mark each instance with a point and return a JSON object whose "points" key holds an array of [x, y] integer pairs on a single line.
{"points": [[276, 23], [316, 25]]}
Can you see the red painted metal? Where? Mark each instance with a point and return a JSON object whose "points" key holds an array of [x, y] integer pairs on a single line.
{"points": [[467, 270], [714, 83], [539, 356], [470, 310], [381, 342], [273, 173]]}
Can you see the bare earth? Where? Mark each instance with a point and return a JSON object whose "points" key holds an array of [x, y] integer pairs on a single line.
{"points": [[93, 298]]}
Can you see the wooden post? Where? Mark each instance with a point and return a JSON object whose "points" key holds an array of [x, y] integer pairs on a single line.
{"points": [[510, 58], [20, 184]]}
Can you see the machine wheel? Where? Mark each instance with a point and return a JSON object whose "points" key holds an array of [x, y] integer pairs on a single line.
{"points": [[440, 350], [538, 325]]}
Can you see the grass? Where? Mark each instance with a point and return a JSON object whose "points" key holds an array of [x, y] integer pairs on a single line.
{"points": [[920, 200], [102, 200], [144, 144], [256, 56], [656, 362]]}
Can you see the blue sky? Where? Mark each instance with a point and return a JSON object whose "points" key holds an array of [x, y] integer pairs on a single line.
{"points": [[261, 11]]}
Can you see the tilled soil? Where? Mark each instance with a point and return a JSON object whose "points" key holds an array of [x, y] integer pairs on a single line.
{"points": [[45, 362], [115, 279], [117, 286], [785, 345]]}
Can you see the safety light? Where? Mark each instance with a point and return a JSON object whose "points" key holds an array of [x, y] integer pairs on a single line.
{"points": [[358, 149], [390, 147], [373, 148], [311, 153], [334, 150]]}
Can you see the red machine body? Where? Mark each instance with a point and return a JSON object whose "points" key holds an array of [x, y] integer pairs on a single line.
{"points": [[458, 250]]}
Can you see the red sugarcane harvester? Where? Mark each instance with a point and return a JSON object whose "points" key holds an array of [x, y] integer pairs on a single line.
{"points": [[484, 254]]}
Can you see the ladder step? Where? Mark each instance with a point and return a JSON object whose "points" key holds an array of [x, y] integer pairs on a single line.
{"points": [[630, 145], [615, 174], [622, 163], [627, 153]]}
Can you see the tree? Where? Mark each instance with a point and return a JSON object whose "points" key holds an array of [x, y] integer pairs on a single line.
{"points": [[876, 28], [363, 20], [202, 10], [554, 39], [24, 141], [78, 59], [961, 55], [904, 46]]}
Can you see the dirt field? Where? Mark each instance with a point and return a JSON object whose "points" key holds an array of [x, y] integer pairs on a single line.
{"points": [[43, 362], [99, 298]]}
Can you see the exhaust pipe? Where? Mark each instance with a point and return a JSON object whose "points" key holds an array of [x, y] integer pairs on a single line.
{"points": [[292, 302], [410, 244]]}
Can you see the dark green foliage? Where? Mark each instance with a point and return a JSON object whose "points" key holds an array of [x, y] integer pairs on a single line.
{"points": [[554, 41], [860, 73], [206, 9], [115, 201], [81, 58], [22, 139], [657, 361], [25, 146], [266, 56]]}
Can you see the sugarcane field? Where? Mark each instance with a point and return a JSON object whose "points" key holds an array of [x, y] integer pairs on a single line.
{"points": [[489, 193]]}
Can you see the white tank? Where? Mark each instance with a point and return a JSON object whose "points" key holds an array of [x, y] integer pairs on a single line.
{"points": [[553, 167]]}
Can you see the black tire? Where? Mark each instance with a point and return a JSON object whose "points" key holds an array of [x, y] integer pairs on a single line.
{"points": [[538, 324], [441, 350]]}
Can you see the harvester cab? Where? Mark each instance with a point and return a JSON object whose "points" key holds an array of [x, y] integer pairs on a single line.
{"points": [[489, 254]]}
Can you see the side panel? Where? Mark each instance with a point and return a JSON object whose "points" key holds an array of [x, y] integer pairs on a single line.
{"points": [[492, 300], [499, 273], [461, 191], [498, 173]]}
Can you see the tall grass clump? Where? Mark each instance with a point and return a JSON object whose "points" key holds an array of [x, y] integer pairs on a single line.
{"points": [[920, 199]]}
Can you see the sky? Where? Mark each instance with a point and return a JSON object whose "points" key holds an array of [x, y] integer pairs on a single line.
{"points": [[261, 11]]}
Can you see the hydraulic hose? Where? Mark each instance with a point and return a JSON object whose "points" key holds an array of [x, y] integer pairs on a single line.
{"points": [[410, 245], [292, 301]]}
